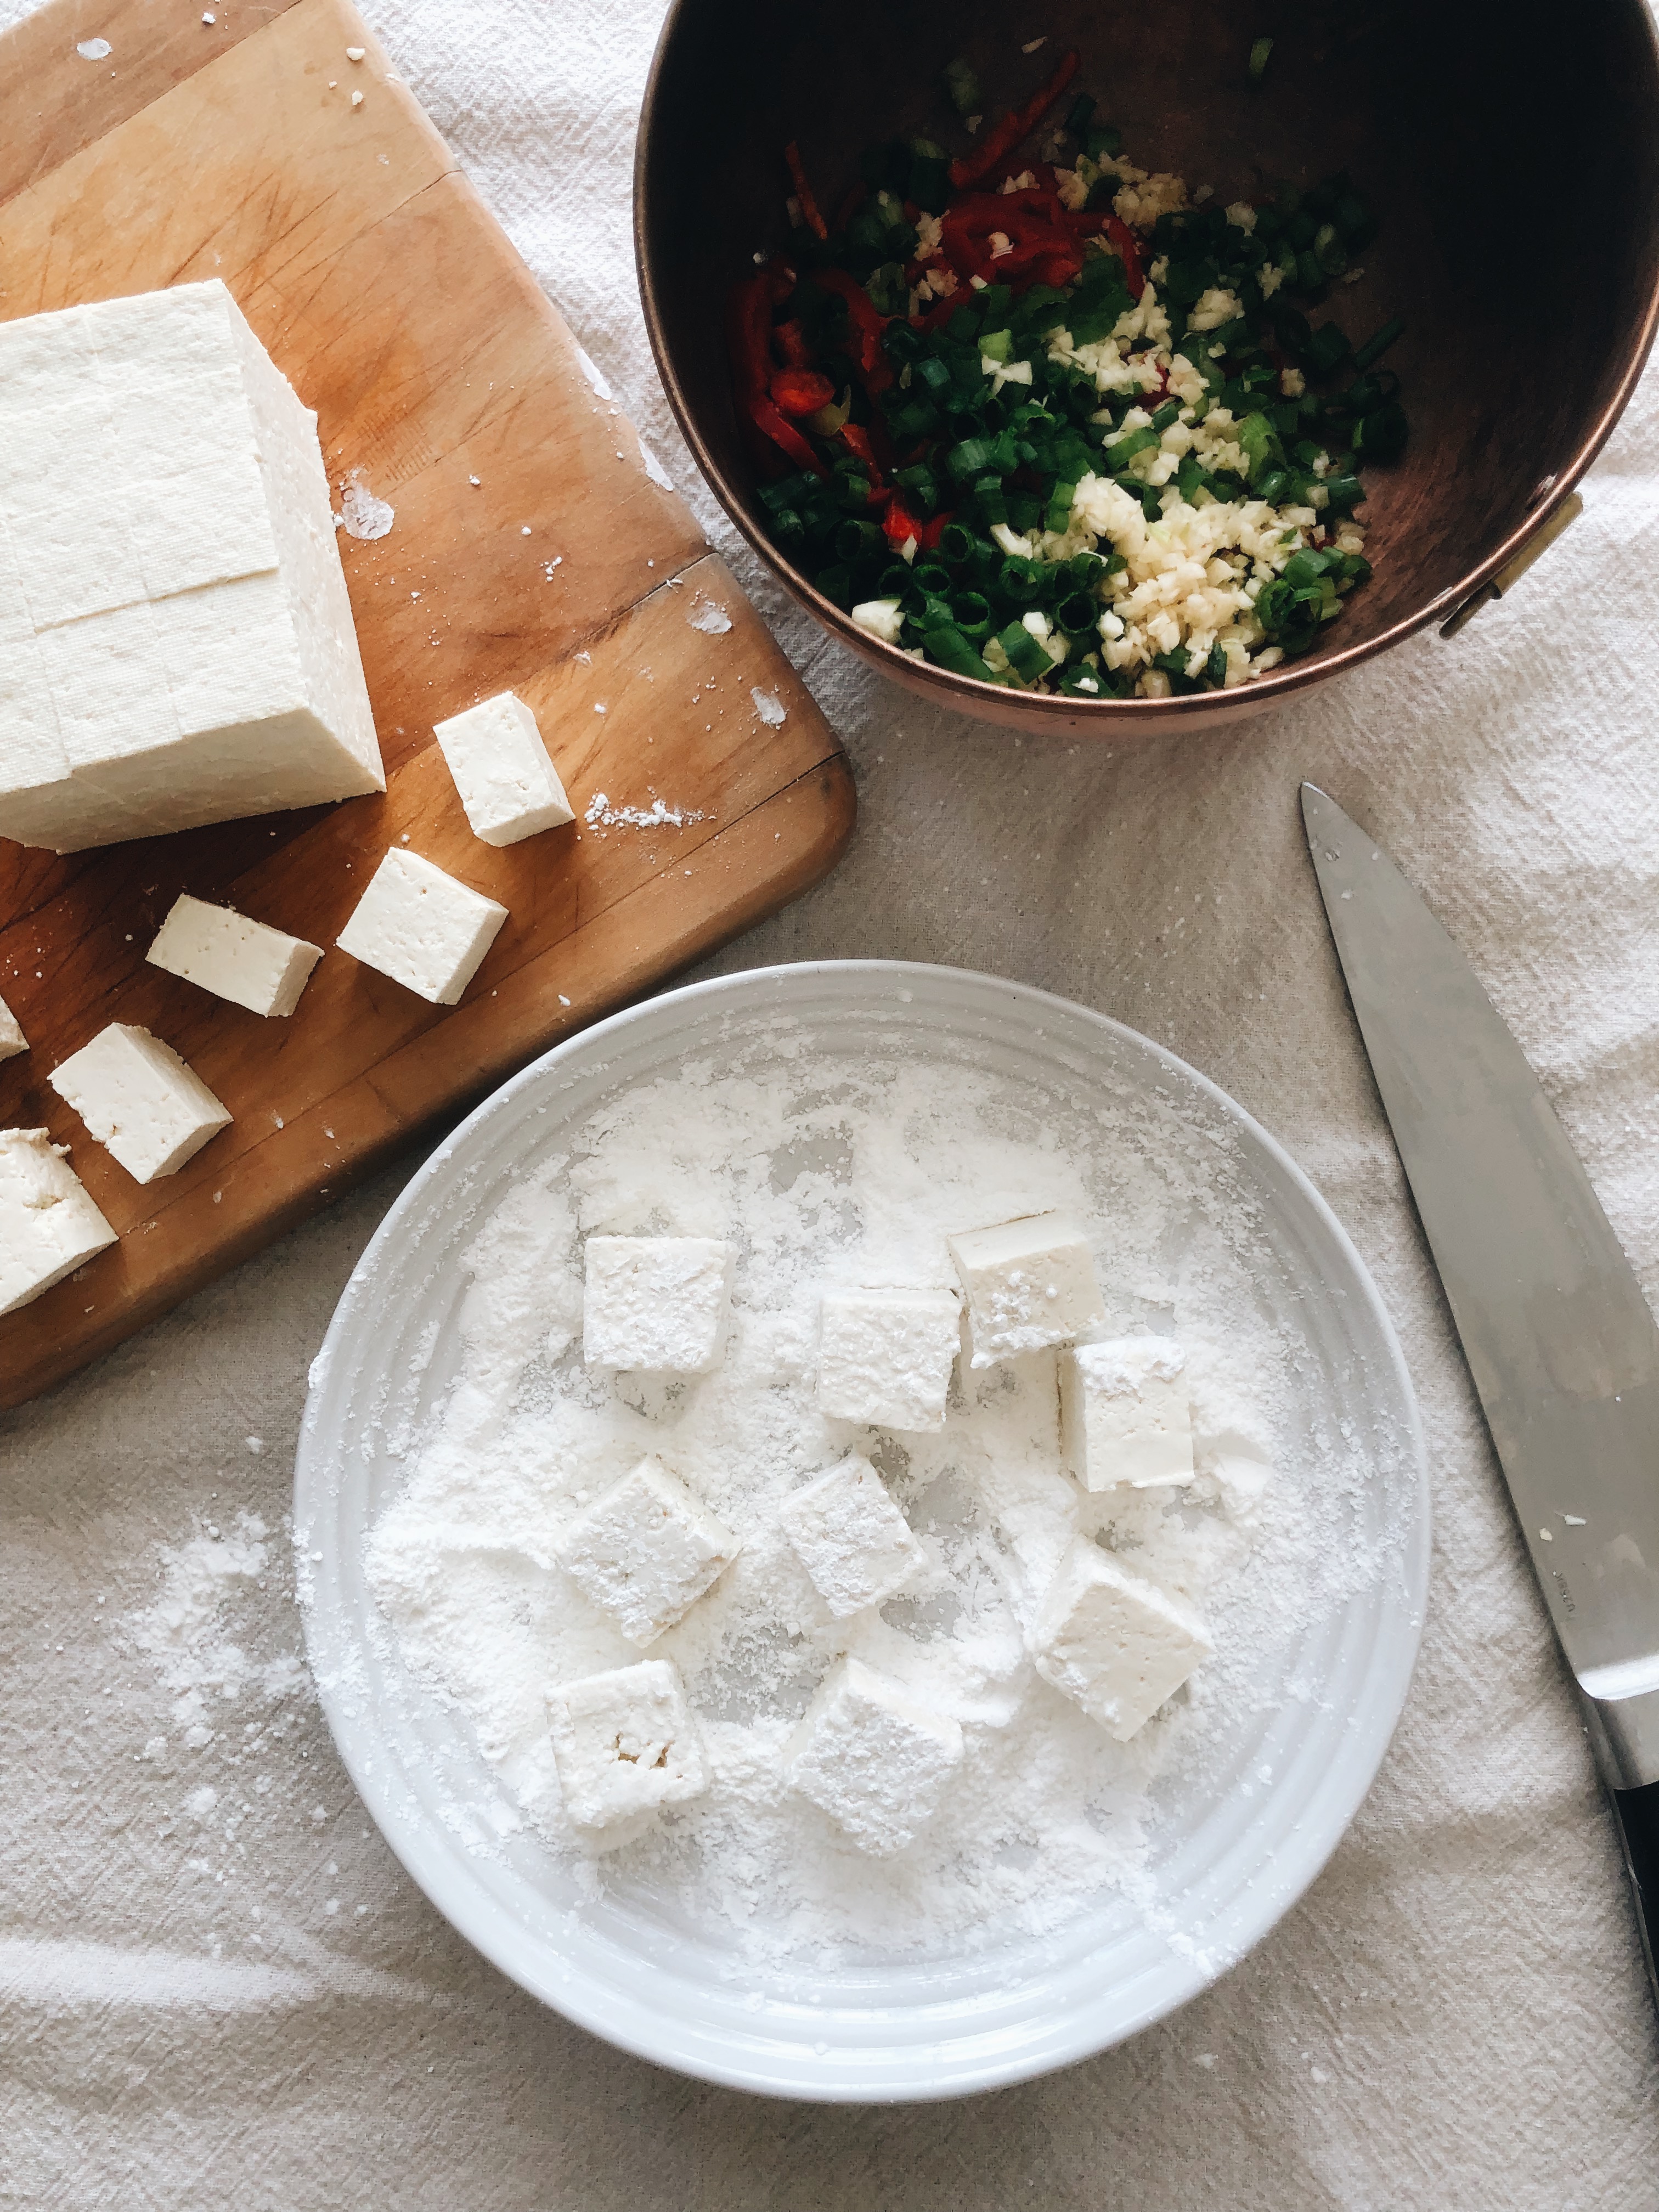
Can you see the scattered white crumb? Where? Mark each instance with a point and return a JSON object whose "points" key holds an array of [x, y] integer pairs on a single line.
{"points": [[712, 620], [770, 709], [1032, 46], [94, 50], [658, 815], [357, 99], [361, 514], [355, 53]]}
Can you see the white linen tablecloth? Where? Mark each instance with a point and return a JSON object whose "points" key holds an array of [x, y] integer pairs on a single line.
{"points": [[217, 1988]]}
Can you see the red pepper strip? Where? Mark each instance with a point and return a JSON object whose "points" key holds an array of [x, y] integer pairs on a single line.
{"points": [[1124, 240], [790, 339], [1042, 248], [767, 421], [932, 532], [856, 439], [1018, 124], [940, 312], [809, 207], [900, 525], [749, 335], [868, 324], [802, 391]]}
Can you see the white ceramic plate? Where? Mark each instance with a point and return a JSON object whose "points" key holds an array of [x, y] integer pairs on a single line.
{"points": [[1231, 1852]]}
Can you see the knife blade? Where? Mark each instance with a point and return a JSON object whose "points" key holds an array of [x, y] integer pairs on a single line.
{"points": [[1559, 1340]]}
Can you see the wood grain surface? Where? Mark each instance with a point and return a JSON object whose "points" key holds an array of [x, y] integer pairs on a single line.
{"points": [[394, 304]]}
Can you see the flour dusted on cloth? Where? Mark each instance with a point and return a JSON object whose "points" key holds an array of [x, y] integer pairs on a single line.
{"points": [[832, 1176]]}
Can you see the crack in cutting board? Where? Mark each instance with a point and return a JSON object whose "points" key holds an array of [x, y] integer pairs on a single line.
{"points": [[396, 305]]}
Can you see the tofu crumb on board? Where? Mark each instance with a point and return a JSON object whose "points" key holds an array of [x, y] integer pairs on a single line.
{"points": [[645, 1551], [12, 1040], [146, 1106], [49, 1226], [248, 962], [179, 645], [507, 784], [624, 1744], [422, 927]]}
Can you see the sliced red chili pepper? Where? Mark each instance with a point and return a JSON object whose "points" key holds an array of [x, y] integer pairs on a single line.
{"points": [[809, 206], [1018, 124], [856, 439], [1042, 248], [801, 391], [900, 525], [748, 334], [1129, 248], [933, 531], [868, 324], [767, 421], [938, 313], [790, 339]]}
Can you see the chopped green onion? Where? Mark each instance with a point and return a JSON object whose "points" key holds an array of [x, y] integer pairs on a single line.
{"points": [[966, 94], [1215, 666], [955, 543], [1103, 142], [1329, 346], [1259, 53], [1379, 342], [836, 583], [972, 611], [1078, 114], [1169, 412], [1025, 654], [947, 645], [855, 540]]}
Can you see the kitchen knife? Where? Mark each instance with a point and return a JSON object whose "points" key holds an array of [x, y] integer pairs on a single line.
{"points": [[1559, 1340]]}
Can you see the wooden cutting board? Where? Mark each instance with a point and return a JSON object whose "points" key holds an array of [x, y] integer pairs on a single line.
{"points": [[534, 547]]}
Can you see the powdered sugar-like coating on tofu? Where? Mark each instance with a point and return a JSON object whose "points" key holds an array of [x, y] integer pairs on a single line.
{"points": [[1028, 1284], [656, 1305], [1125, 1415], [852, 1540], [872, 1760], [644, 1552], [1113, 1643], [624, 1743], [885, 1356]]}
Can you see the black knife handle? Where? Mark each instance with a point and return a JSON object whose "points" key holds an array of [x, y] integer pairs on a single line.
{"points": [[1637, 1812]]}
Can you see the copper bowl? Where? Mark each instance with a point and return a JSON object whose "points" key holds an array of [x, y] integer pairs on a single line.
{"points": [[1513, 160]]}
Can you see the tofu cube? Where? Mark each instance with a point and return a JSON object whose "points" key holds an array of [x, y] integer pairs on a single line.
{"points": [[48, 1226], [421, 927], [885, 1356], [150, 1108], [656, 1305], [12, 1040], [624, 1743], [1117, 1645], [876, 1763], [246, 962], [644, 1551], [175, 626], [507, 785], [1028, 1284], [850, 1536], [1124, 1413]]}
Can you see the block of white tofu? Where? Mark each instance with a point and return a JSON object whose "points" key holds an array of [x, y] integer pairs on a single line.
{"points": [[1114, 1643], [176, 640], [253, 965], [885, 1356], [656, 1305], [507, 785], [876, 1762], [851, 1538], [422, 927], [137, 1097], [644, 1551], [624, 1744], [48, 1226], [1124, 1413], [12, 1039], [1028, 1284]]}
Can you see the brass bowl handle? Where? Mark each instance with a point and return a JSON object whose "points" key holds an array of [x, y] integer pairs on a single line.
{"points": [[1512, 571]]}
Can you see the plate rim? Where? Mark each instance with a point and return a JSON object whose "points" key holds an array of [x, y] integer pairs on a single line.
{"points": [[474, 1919]]}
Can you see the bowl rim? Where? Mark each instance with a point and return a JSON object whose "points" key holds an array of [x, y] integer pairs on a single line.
{"points": [[1067, 714], [698, 2052]]}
